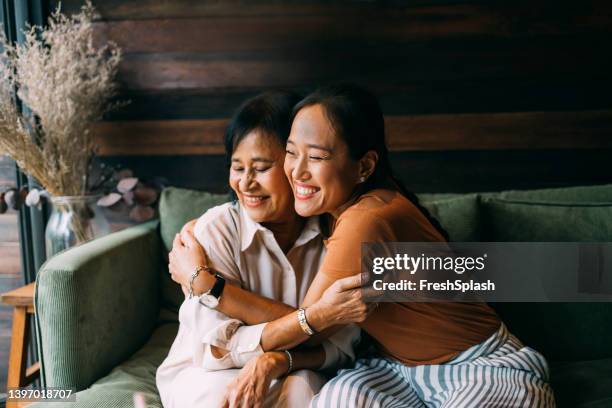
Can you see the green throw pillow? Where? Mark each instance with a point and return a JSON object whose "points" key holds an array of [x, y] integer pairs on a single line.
{"points": [[529, 221], [176, 207], [459, 215], [580, 194], [561, 331]]}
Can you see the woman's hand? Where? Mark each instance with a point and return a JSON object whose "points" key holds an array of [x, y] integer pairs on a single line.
{"points": [[340, 304], [185, 257], [249, 389]]}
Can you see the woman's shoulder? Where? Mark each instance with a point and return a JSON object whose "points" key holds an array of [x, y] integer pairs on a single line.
{"points": [[391, 212], [378, 203], [223, 218]]}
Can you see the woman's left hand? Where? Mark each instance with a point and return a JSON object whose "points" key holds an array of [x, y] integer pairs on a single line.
{"points": [[249, 389]]}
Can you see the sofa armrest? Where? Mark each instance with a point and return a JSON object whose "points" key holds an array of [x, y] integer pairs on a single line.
{"points": [[96, 304]]}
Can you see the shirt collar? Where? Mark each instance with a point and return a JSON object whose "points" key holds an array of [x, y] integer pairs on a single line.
{"points": [[248, 229]]}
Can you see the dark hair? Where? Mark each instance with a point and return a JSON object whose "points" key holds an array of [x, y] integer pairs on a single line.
{"points": [[269, 112], [355, 115]]}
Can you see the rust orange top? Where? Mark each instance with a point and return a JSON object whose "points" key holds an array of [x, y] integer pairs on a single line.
{"points": [[410, 332]]}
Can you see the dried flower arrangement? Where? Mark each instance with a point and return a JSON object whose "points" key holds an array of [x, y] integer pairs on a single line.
{"points": [[66, 84]]}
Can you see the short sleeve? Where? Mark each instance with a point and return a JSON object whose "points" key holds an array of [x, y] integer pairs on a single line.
{"points": [[217, 231], [344, 246]]}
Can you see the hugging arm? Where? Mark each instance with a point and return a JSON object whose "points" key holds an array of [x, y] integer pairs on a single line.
{"points": [[331, 302], [188, 252]]}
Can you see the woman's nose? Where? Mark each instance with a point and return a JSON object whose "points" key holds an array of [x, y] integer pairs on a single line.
{"points": [[246, 181], [300, 170]]}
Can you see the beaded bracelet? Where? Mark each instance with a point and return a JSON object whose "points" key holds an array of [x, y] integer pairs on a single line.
{"points": [[290, 358]]}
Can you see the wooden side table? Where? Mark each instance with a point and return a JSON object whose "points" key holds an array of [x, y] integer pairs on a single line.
{"points": [[19, 375]]}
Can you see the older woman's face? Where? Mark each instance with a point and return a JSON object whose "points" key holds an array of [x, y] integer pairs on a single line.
{"points": [[320, 170], [257, 177]]}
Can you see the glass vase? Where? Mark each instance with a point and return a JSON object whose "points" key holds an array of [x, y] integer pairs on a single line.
{"points": [[73, 221]]}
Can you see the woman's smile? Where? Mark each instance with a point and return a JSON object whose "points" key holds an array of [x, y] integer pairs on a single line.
{"points": [[253, 200], [304, 191]]}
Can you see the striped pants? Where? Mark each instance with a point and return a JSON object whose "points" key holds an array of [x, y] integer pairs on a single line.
{"points": [[500, 372]]}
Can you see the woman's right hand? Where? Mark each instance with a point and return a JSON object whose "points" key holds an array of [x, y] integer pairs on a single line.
{"points": [[340, 304]]}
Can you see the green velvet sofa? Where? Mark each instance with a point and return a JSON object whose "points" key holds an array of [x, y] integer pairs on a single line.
{"points": [[107, 310]]}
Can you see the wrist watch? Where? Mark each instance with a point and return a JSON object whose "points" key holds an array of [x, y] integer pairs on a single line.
{"points": [[211, 298]]}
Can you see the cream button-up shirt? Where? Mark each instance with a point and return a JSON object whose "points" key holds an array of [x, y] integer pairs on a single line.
{"points": [[247, 254]]}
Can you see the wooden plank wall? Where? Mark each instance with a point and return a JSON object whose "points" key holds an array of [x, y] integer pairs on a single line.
{"points": [[479, 95]]}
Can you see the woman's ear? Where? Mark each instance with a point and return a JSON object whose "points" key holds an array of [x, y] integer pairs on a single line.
{"points": [[367, 164]]}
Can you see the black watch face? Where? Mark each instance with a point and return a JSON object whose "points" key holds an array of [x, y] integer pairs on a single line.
{"points": [[217, 288]]}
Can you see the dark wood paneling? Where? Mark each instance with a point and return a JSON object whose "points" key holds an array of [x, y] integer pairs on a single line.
{"points": [[468, 171], [293, 33], [369, 64], [161, 137], [427, 171], [480, 94], [432, 97], [495, 131], [437, 16], [146, 9]]}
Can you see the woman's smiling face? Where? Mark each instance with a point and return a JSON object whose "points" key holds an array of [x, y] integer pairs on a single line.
{"points": [[320, 170], [257, 178]]}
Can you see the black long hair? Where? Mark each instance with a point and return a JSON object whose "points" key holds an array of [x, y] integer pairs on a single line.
{"points": [[356, 117], [268, 112]]}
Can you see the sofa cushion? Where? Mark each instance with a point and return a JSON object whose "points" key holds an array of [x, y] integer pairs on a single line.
{"points": [[459, 214], [179, 205], [561, 331], [136, 374], [582, 384], [580, 194], [176, 207], [527, 221]]}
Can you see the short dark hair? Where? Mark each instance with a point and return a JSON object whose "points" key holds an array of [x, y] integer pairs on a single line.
{"points": [[269, 112]]}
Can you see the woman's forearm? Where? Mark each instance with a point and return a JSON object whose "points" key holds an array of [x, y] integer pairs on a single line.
{"points": [[308, 358], [241, 304], [283, 331], [286, 332]]}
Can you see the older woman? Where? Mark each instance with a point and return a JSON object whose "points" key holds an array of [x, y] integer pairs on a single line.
{"points": [[257, 243]]}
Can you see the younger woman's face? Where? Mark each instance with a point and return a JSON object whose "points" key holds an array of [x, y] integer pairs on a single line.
{"points": [[320, 170], [257, 177]]}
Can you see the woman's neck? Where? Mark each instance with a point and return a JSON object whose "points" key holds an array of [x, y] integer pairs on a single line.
{"points": [[286, 233]]}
